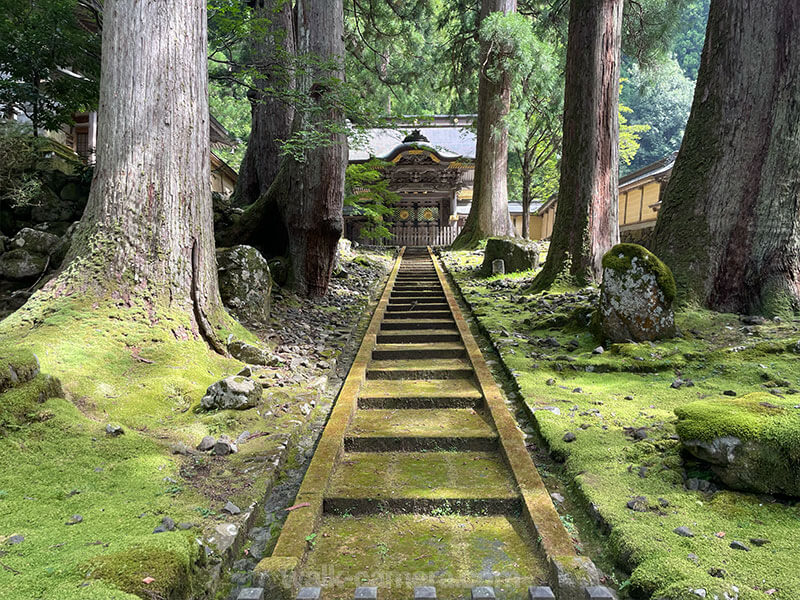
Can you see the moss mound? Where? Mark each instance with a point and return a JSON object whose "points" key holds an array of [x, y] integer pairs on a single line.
{"points": [[620, 256]]}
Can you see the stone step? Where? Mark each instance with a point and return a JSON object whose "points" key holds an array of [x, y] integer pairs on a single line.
{"points": [[425, 303], [405, 351], [421, 336], [413, 324], [421, 390], [418, 314], [414, 294], [409, 476], [417, 430], [445, 368]]}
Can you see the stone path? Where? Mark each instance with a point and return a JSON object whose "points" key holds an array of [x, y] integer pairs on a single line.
{"points": [[421, 478]]}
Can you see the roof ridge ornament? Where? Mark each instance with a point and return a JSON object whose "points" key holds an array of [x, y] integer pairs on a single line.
{"points": [[415, 136]]}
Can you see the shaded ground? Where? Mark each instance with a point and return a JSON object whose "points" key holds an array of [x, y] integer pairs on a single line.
{"points": [[605, 399], [58, 461]]}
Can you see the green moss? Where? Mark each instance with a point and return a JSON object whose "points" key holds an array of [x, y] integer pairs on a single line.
{"points": [[22, 404], [17, 365], [602, 466], [620, 256]]}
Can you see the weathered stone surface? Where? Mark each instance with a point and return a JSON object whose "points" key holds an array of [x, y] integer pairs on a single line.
{"points": [[636, 296], [20, 264], [517, 254], [245, 283], [749, 441], [232, 392], [207, 443], [248, 353], [32, 240]]}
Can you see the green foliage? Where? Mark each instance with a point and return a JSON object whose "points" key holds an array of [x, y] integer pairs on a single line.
{"points": [[688, 44], [49, 59], [629, 135], [659, 98], [19, 152], [230, 106], [367, 193]]}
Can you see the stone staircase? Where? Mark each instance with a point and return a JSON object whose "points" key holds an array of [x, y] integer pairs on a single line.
{"points": [[421, 480]]}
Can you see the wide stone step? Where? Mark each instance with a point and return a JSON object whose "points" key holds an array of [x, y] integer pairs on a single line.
{"points": [[420, 368], [421, 336], [421, 390], [419, 314], [418, 304], [404, 351], [417, 293], [416, 430], [412, 324], [393, 476]]}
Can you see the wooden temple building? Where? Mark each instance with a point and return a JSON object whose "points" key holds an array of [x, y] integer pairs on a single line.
{"points": [[431, 168]]}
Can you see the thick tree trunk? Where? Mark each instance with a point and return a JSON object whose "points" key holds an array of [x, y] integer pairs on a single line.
{"points": [[526, 195], [271, 117], [146, 236], [729, 226], [586, 225], [488, 214], [311, 203]]}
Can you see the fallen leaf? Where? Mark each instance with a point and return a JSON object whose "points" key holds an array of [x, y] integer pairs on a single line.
{"points": [[148, 580], [296, 506], [720, 534]]}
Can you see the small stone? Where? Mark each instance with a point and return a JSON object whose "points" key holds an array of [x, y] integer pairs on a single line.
{"points": [[557, 497], [638, 504], [245, 372], [758, 542], [231, 508], [598, 350], [366, 593], [663, 502], [700, 593], [676, 384], [693, 557], [729, 393], [483, 592], [114, 430], [570, 437], [550, 381], [251, 594], [684, 531], [628, 397], [736, 545], [425, 592], [74, 520], [180, 448], [309, 593], [185, 526], [599, 592], [168, 524], [15, 539], [235, 392], [242, 438], [540, 592], [207, 443], [577, 390], [224, 446], [717, 572]]}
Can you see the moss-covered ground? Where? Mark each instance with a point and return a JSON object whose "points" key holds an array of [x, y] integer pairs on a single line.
{"points": [[118, 365], [397, 552], [620, 406]]}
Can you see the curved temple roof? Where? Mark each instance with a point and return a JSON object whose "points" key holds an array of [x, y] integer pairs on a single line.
{"points": [[449, 142]]}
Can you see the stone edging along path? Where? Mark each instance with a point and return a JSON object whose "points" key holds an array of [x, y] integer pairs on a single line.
{"points": [[363, 466]]}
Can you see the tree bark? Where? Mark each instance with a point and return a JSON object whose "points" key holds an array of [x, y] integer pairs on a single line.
{"points": [[586, 224], [271, 117], [526, 194], [311, 202], [729, 225], [146, 236], [488, 214]]}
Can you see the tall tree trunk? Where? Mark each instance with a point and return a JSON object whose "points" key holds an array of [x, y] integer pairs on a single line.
{"points": [[272, 50], [311, 201], [488, 214], [729, 226], [146, 235], [586, 225], [526, 195]]}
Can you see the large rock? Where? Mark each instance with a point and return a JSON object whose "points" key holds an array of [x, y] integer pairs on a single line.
{"points": [[245, 283], [636, 296], [248, 353], [517, 254], [233, 392], [20, 264], [751, 443], [34, 241]]}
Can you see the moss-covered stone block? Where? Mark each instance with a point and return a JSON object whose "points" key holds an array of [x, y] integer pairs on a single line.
{"points": [[277, 575], [751, 443], [517, 254], [636, 296]]}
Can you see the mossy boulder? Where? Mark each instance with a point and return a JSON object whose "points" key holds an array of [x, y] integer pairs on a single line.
{"points": [[245, 283], [235, 392], [751, 443], [636, 296], [517, 254]]}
